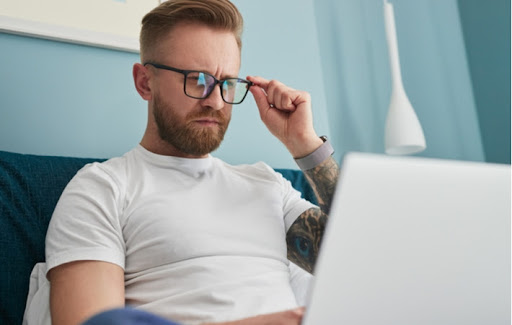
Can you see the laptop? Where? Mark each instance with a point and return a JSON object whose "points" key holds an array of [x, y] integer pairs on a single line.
{"points": [[415, 241]]}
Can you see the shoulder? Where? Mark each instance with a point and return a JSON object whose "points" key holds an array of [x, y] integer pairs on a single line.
{"points": [[108, 170], [111, 173]]}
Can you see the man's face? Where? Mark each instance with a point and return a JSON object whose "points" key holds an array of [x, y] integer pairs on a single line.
{"points": [[194, 127]]}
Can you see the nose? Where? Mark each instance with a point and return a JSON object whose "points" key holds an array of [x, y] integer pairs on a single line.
{"points": [[214, 100]]}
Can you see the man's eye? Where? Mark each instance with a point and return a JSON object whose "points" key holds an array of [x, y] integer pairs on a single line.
{"points": [[230, 83], [198, 78], [193, 78]]}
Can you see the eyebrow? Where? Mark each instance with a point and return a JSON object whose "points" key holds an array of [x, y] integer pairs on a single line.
{"points": [[223, 77], [226, 76]]}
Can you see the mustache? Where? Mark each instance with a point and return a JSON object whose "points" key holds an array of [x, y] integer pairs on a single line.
{"points": [[218, 115]]}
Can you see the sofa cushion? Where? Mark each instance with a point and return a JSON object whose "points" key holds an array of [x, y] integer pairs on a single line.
{"points": [[299, 182], [30, 186]]}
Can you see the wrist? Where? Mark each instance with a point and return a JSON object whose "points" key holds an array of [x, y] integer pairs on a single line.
{"points": [[302, 147], [315, 158]]}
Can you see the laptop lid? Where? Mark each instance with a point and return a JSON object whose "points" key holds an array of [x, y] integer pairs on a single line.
{"points": [[415, 241]]}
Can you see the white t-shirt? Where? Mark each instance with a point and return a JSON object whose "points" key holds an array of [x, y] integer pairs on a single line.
{"points": [[199, 240]]}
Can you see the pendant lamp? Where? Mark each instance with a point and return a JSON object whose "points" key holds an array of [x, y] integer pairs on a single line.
{"points": [[403, 133]]}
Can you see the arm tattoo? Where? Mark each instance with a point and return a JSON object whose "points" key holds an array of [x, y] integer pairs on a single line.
{"points": [[305, 235], [323, 179]]}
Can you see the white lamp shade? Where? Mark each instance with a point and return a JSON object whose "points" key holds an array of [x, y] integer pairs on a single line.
{"points": [[403, 135]]}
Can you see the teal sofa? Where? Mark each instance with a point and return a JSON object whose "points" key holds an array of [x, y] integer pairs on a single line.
{"points": [[30, 186]]}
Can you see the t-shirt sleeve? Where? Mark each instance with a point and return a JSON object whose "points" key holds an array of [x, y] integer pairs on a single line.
{"points": [[85, 224], [293, 204]]}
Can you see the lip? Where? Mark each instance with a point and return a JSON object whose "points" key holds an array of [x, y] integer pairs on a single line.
{"points": [[207, 121]]}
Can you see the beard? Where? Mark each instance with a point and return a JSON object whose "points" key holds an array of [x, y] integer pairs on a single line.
{"points": [[186, 135]]}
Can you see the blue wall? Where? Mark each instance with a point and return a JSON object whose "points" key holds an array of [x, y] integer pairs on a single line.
{"points": [[65, 99], [434, 70], [290, 55], [486, 26]]}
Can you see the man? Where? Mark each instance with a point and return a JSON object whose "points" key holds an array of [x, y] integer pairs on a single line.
{"points": [[171, 230]]}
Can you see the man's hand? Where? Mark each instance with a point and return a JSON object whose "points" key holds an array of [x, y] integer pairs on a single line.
{"points": [[287, 114], [287, 317]]}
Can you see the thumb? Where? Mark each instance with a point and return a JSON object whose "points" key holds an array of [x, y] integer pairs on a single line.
{"points": [[260, 98]]}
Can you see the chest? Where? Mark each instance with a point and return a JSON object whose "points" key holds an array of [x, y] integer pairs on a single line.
{"points": [[172, 220]]}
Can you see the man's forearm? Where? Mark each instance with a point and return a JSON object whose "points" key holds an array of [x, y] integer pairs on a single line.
{"points": [[323, 179], [304, 237]]}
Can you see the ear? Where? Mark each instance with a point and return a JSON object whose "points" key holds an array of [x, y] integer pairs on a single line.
{"points": [[141, 80]]}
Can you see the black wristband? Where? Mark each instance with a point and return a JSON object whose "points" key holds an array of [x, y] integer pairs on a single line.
{"points": [[316, 157]]}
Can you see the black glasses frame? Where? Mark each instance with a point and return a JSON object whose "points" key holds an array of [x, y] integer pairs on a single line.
{"points": [[217, 81]]}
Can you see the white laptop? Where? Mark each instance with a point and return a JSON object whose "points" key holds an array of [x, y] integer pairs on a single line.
{"points": [[415, 241]]}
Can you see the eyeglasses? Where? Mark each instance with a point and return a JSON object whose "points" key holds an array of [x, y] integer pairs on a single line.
{"points": [[199, 85]]}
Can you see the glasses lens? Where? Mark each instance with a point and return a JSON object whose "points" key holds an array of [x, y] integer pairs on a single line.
{"points": [[234, 90], [199, 84]]}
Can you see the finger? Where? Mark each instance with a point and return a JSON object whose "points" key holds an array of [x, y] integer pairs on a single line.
{"points": [[300, 311], [260, 98], [282, 96], [287, 100], [259, 81], [278, 94], [275, 93], [271, 93], [271, 90]]}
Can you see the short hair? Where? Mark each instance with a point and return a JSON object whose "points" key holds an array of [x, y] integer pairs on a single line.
{"points": [[221, 14]]}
